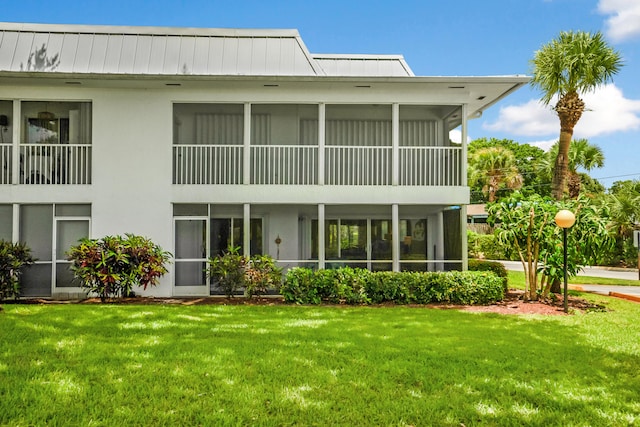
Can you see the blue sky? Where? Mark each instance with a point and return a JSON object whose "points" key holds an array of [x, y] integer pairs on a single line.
{"points": [[436, 37]]}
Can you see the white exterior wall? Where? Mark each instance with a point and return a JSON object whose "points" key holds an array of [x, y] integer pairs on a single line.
{"points": [[132, 138]]}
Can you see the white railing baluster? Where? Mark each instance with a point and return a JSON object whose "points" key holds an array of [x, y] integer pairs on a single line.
{"points": [[50, 164], [287, 165]]}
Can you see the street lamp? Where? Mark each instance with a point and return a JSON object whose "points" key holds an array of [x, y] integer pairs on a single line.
{"points": [[565, 219]]}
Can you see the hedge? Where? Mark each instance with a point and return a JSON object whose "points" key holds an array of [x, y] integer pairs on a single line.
{"points": [[359, 286], [493, 266]]}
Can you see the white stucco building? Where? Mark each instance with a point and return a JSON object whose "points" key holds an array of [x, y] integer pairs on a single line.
{"points": [[201, 138]]}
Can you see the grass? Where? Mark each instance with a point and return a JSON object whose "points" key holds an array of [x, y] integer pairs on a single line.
{"points": [[102, 365], [516, 280]]}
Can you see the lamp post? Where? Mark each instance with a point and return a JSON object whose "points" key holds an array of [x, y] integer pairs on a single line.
{"points": [[565, 219]]}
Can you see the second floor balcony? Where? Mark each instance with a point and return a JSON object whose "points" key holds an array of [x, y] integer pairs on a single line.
{"points": [[293, 144], [311, 165]]}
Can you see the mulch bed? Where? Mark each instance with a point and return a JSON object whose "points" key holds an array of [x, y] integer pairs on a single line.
{"points": [[512, 304]]}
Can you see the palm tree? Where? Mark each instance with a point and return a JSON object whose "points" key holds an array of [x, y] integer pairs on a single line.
{"points": [[494, 168], [572, 64], [582, 154]]}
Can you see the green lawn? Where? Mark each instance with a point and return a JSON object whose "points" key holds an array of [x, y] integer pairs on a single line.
{"points": [[102, 365], [516, 280]]}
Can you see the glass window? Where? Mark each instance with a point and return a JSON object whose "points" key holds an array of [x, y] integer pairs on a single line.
{"points": [[208, 124], [190, 273], [191, 239], [190, 210], [73, 210], [68, 233], [56, 122], [36, 281], [36, 229], [6, 222]]}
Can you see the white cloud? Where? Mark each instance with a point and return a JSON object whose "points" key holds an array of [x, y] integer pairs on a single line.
{"points": [[625, 22], [456, 136], [544, 145], [608, 111]]}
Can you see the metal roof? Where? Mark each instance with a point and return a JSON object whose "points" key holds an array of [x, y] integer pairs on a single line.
{"points": [[364, 65], [79, 49]]}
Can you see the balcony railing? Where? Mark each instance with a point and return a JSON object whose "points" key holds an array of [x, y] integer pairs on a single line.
{"points": [[299, 165], [428, 166], [5, 163], [346, 165], [284, 164], [55, 164], [207, 164]]}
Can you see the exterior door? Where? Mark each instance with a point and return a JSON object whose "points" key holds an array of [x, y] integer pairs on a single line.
{"points": [[191, 253], [67, 233]]}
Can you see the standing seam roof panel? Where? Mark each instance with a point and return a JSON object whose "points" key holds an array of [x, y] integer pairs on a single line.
{"points": [[68, 53], [143, 55], [83, 54], [128, 54], [200, 55], [98, 53], [156, 56], [172, 55]]}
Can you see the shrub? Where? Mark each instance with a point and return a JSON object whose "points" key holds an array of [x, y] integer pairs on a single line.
{"points": [[228, 270], [233, 271], [13, 258], [111, 266], [300, 286], [493, 266], [261, 275], [356, 286], [471, 287]]}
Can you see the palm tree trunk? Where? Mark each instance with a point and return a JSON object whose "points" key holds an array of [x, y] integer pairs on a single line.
{"points": [[561, 168], [569, 108]]}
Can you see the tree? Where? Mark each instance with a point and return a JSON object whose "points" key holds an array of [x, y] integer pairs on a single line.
{"points": [[494, 168], [527, 160], [527, 226], [572, 64], [623, 201], [582, 154]]}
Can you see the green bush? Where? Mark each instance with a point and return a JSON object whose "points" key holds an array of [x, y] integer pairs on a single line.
{"points": [[301, 286], [233, 271], [261, 275], [357, 286], [228, 270], [493, 266], [111, 266], [13, 258]]}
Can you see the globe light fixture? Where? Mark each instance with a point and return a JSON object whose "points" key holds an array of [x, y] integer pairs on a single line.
{"points": [[565, 220]]}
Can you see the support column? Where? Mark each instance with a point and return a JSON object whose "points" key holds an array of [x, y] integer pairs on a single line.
{"points": [[321, 140], [321, 244], [463, 208], [463, 232], [395, 143], [463, 144], [246, 151], [15, 137], [439, 255], [15, 231], [395, 236], [246, 230]]}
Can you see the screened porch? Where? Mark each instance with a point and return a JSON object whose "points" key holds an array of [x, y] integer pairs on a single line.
{"points": [[373, 145]]}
